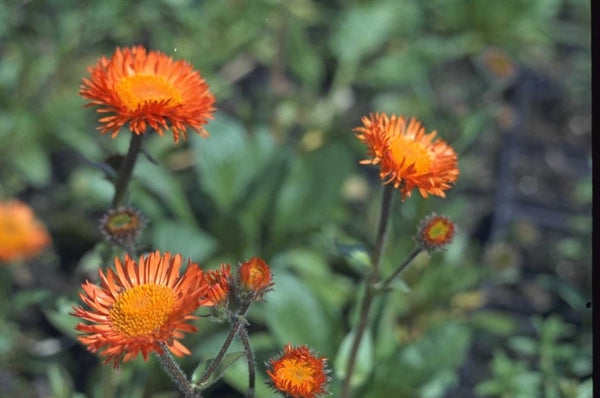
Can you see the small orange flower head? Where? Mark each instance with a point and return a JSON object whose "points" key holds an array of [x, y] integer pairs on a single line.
{"points": [[299, 373], [123, 226], [218, 289], [148, 89], [435, 232], [408, 157], [22, 236], [255, 277], [140, 307]]}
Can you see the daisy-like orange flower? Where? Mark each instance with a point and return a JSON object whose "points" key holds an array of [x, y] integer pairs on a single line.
{"points": [[22, 236], [299, 373], [435, 232], [408, 157], [148, 89], [140, 306]]}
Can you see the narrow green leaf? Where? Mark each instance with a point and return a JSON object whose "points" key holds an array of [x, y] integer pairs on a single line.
{"points": [[364, 358], [228, 360]]}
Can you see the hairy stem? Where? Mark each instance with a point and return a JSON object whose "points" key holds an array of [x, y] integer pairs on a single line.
{"points": [[250, 359], [369, 287], [172, 369], [384, 284], [236, 325]]}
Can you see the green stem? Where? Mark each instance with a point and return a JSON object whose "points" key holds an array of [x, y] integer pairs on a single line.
{"points": [[250, 359], [127, 169], [402, 267], [236, 325], [176, 374], [369, 287]]}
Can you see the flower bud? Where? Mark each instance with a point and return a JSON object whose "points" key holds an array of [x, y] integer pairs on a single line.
{"points": [[435, 232]]}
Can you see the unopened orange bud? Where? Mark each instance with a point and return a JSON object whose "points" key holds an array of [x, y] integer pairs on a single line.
{"points": [[255, 274]]}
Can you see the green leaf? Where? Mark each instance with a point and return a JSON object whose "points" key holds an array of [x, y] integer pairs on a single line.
{"points": [[356, 255], [188, 240], [308, 194], [161, 183], [62, 321], [495, 322], [439, 352], [25, 298], [33, 162], [524, 345], [60, 382], [402, 67], [228, 360], [303, 59], [313, 268], [363, 28], [295, 316], [228, 160], [237, 376], [364, 358]]}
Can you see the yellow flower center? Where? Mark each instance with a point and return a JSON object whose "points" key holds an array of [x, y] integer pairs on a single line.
{"points": [[295, 372], [122, 221], [438, 230], [412, 151], [138, 89], [141, 310]]}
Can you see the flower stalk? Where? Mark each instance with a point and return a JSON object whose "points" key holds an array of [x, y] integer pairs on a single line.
{"points": [[370, 288], [382, 285], [250, 360], [126, 169], [236, 325], [173, 370]]}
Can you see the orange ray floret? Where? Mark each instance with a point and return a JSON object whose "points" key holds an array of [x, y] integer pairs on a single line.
{"points": [[218, 282], [22, 236], [139, 307], [299, 373], [148, 89], [408, 157]]}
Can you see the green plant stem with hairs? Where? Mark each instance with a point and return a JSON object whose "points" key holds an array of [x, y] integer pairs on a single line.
{"points": [[250, 359], [237, 323], [172, 369], [370, 287], [382, 285]]}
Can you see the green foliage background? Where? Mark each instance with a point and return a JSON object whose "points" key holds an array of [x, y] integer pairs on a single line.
{"points": [[279, 178]]}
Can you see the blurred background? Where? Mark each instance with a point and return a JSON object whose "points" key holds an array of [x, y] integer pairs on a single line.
{"points": [[504, 312]]}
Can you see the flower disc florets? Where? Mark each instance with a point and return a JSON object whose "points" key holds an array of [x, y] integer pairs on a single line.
{"points": [[435, 232], [299, 373], [123, 226]]}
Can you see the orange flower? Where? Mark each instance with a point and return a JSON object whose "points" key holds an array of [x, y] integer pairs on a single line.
{"points": [[255, 275], [408, 157], [148, 89], [299, 373], [218, 285], [21, 234], [435, 232], [140, 307]]}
